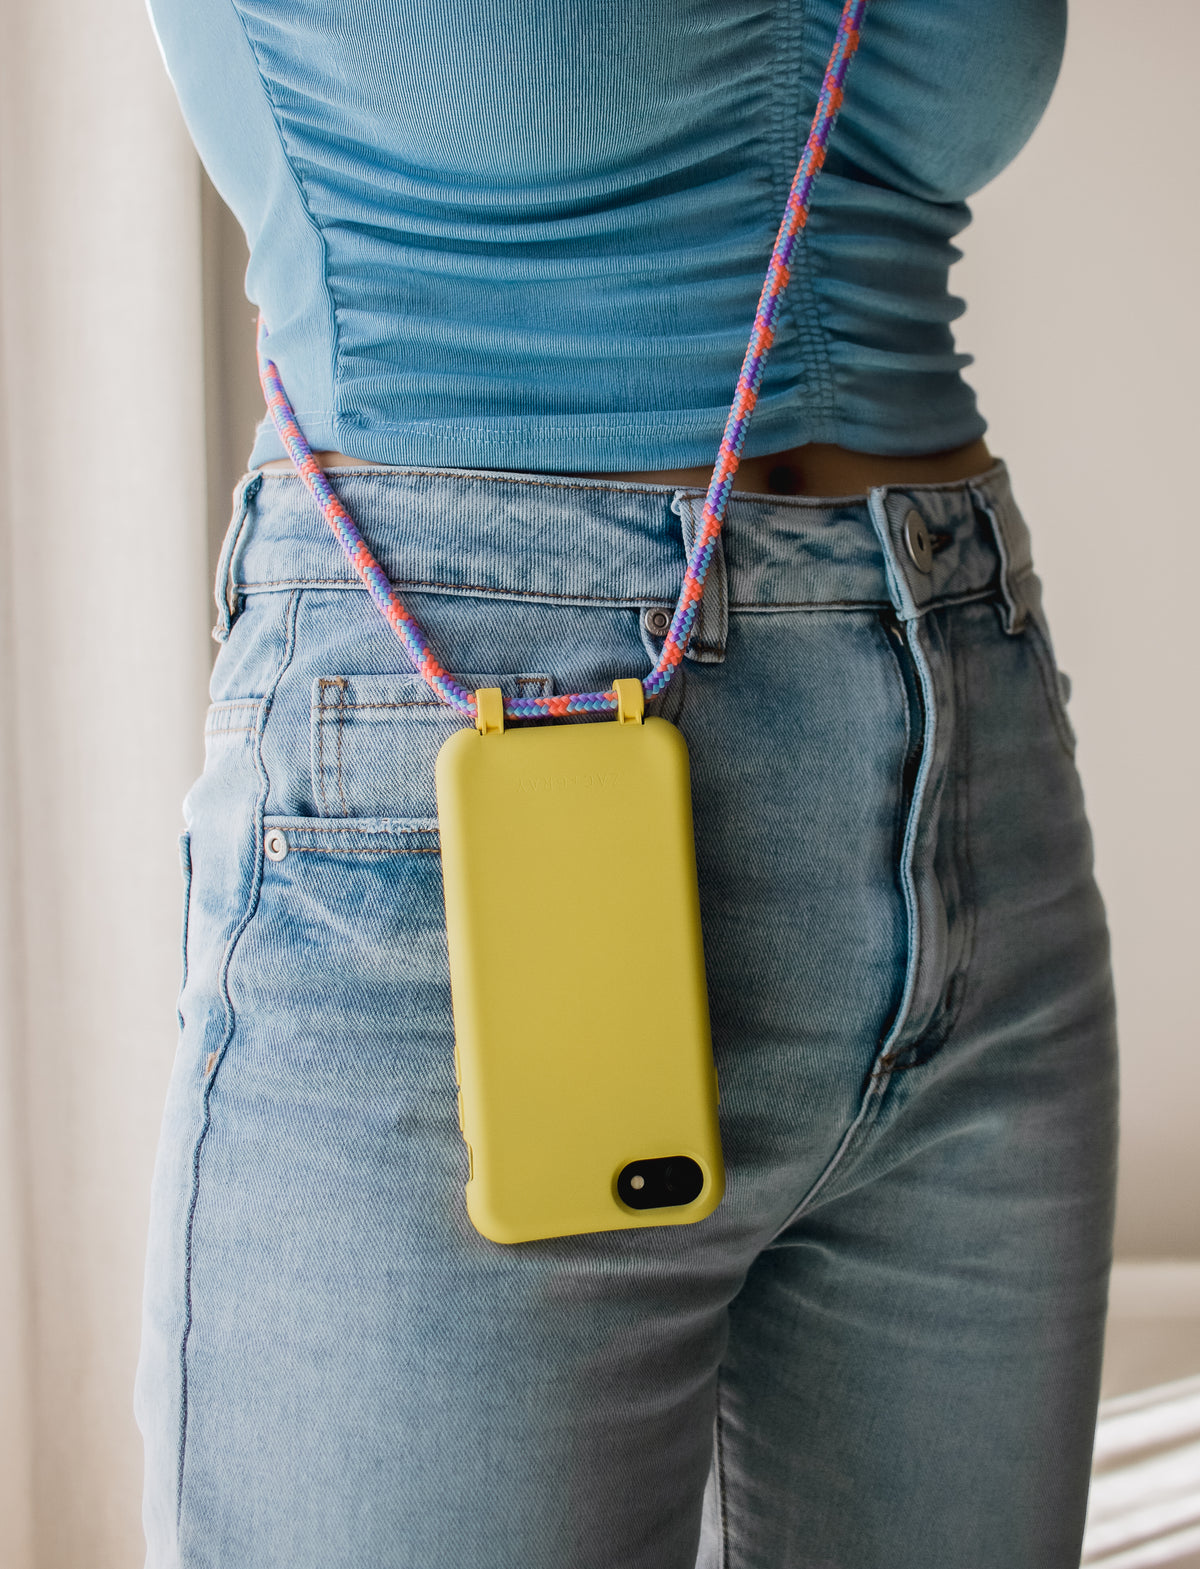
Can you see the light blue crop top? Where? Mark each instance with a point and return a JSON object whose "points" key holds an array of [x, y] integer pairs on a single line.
{"points": [[530, 234]]}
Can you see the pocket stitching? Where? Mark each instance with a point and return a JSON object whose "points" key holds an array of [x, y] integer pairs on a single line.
{"points": [[355, 697], [332, 829], [339, 683], [382, 849]]}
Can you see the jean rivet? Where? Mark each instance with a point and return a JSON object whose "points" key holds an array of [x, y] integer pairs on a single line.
{"points": [[275, 844], [658, 621], [916, 538]]}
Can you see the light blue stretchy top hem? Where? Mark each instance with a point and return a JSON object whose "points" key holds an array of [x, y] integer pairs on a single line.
{"points": [[530, 234]]}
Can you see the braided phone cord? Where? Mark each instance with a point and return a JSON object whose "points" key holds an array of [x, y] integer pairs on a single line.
{"points": [[762, 336]]}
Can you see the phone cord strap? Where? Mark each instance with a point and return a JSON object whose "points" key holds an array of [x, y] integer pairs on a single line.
{"points": [[762, 336]]}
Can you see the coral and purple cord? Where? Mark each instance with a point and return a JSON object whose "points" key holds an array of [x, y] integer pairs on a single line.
{"points": [[762, 336]]}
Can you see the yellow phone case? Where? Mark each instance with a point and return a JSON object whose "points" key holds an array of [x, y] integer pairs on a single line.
{"points": [[583, 1055]]}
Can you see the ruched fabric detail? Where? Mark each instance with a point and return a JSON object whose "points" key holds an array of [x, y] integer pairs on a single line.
{"points": [[531, 234]]}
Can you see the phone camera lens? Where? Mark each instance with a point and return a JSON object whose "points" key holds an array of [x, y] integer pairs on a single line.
{"points": [[665, 1183]]}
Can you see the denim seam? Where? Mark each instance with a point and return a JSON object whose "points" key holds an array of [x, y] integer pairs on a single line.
{"points": [[872, 1099], [722, 1492], [618, 487], [893, 660], [618, 601], [432, 702], [339, 684], [341, 734], [382, 849], [960, 654], [954, 988], [319, 792], [881, 1073], [185, 857], [968, 596], [365, 708], [930, 739], [609, 601], [310, 826], [225, 584], [550, 482], [211, 1077], [967, 891], [1048, 675], [324, 797]]}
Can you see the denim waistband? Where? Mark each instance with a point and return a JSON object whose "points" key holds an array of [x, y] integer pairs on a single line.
{"points": [[547, 538]]}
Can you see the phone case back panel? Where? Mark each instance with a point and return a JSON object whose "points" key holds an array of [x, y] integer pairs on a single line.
{"points": [[580, 1008]]}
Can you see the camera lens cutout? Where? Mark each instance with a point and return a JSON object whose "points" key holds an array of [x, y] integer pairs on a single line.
{"points": [[663, 1183]]}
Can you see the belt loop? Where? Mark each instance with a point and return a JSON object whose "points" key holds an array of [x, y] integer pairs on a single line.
{"points": [[225, 590], [711, 632], [1020, 591]]}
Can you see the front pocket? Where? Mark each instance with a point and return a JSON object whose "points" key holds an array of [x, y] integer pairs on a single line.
{"points": [[375, 740]]}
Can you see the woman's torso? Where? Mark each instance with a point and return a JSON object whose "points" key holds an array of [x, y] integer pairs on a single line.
{"points": [[531, 234]]}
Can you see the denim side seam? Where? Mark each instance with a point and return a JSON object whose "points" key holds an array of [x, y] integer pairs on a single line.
{"points": [[185, 862], [1043, 653], [225, 587], [211, 1077], [1020, 602]]}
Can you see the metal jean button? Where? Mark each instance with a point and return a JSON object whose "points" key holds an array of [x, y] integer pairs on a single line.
{"points": [[275, 844], [916, 538], [658, 621]]}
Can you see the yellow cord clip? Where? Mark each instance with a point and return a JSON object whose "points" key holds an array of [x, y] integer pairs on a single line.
{"points": [[489, 710], [631, 700]]}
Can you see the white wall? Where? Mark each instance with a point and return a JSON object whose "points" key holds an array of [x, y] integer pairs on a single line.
{"points": [[1081, 270]]}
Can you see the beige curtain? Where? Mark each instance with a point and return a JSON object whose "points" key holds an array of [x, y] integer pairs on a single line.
{"points": [[105, 658]]}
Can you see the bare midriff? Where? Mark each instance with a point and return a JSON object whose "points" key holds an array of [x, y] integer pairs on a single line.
{"points": [[817, 469]]}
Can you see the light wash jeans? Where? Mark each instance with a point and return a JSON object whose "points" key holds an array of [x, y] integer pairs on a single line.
{"points": [[883, 1350]]}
